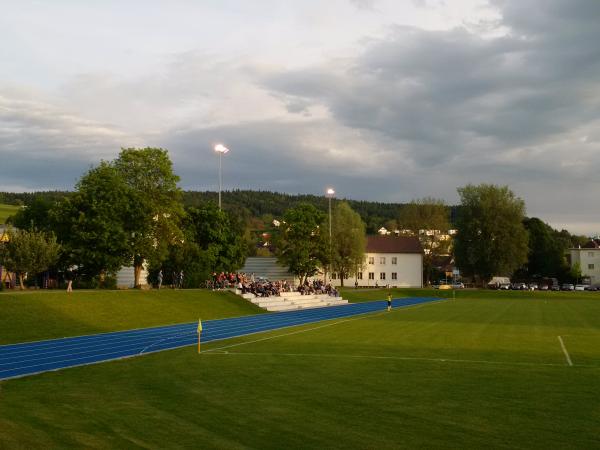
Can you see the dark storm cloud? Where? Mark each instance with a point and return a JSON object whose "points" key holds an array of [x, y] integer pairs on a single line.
{"points": [[440, 92]]}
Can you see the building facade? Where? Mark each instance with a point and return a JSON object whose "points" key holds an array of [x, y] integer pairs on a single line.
{"points": [[396, 261], [588, 257]]}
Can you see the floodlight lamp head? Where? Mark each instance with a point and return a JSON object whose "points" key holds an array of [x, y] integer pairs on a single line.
{"points": [[220, 148], [330, 191]]}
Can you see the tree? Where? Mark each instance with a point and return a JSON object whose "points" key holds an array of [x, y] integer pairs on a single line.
{"points": [[35, 216], [491, 238], [93, 223], [575, 272], [428, 220], [28, 252], [155, 220], [546, 257], [302, 244], [348, 241], [219, 235]]}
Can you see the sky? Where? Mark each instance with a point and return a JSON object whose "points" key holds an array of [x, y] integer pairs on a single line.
{"points": [[385, 100]]}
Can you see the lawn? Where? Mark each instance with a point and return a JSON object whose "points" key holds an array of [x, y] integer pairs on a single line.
{"points": [[34, 315], [7, 210], [478, 371]]}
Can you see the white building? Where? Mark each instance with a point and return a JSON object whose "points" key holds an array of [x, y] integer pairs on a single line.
{"points": [[588, 257], [389, 260]]}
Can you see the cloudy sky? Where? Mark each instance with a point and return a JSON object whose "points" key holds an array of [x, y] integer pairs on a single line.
{"points": [[387, 100]]}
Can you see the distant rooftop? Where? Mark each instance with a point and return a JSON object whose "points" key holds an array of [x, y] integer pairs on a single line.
{"points": [[393, 244]]}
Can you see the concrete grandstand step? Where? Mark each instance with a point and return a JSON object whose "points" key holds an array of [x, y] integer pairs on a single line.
{"points": [[283, 308], [267, 304]]}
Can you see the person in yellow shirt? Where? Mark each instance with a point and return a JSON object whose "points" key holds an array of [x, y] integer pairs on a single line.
{"points": [[389, 301]]}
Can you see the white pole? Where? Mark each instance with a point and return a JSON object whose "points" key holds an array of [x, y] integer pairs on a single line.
{"points": [[220, 177]]}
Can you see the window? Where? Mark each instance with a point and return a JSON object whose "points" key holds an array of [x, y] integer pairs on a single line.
{"points": [[382, 276], [591, 254], [345, 276], [333, 275], [371, 260], [382, 260], [394, 260], [591, 266], [394, 276], [371, 275], [359, 276]]}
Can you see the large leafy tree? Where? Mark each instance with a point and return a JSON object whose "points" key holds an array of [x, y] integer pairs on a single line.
{"points": [[155, 220], [302, 244], [546, 256], [213, 241], [427, 219], [219, 235], [28, 252], [94, 223], [491, 238], [348, 241], [35, 216]]}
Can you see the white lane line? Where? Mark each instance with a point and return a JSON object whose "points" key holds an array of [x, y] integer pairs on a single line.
{"points": [[564, 349], [367, 315], [398, 358]]}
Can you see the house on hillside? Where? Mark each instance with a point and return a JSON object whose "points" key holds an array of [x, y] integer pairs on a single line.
{"points": [[588, 257], [389, 260]]}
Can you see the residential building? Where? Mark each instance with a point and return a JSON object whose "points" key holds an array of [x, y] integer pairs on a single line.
{"points": [[389, 260], [588, 257]]}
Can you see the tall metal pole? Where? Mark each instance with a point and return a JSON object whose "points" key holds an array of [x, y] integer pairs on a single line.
{"points": [[220, 178], [330, 249]]}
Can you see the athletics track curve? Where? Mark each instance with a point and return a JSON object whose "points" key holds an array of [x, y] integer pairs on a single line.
{"points": [[18, 360]]}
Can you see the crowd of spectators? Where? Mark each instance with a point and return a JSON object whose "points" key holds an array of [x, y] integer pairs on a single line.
{"points": [[265, 288], [317, 287], [261, 287]]}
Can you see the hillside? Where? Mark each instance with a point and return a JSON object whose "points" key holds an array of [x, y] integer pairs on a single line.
{"points": [[5, 211], [247, 203]]}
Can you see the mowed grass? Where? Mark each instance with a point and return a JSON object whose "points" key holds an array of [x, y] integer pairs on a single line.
{"points": [[35, 315], [465, 373], [6, 211]]}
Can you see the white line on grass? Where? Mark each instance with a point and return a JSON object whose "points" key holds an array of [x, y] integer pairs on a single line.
{"points": [[398, 358], [365, 316], [564, 349]]}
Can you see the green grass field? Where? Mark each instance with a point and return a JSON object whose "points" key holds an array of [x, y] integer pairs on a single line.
{"points": [[484, 370], [34, 315], [7, 210]]}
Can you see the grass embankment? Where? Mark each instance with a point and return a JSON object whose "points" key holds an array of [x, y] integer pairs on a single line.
{"points": [[469, 373], [34, 315], [6, 211]]}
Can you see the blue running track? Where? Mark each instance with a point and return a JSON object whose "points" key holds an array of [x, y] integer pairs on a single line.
{"points": [[17, 360]]}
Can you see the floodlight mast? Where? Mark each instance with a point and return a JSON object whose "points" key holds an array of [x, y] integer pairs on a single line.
{"points": [[221, 150], [330, 193]]}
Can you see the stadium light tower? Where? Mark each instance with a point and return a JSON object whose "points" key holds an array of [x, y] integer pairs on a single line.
{"points": [[221, 150], [330, 193]]}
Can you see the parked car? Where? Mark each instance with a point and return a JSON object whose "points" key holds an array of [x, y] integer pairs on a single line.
{"points": [[533, 286], [519, 287], [458, 285], [580, 287], [544, 287], [567, 287], [504, 286]]}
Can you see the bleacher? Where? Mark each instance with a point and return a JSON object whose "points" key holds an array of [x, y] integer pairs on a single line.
{"points": [[266, 267], [289, 301]]}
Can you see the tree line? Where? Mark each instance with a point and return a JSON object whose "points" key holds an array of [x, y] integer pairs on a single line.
{"points": [[130, 211]]}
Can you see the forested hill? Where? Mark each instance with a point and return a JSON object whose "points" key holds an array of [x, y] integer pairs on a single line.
{"points": [[246, 203], [262, 203]]}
